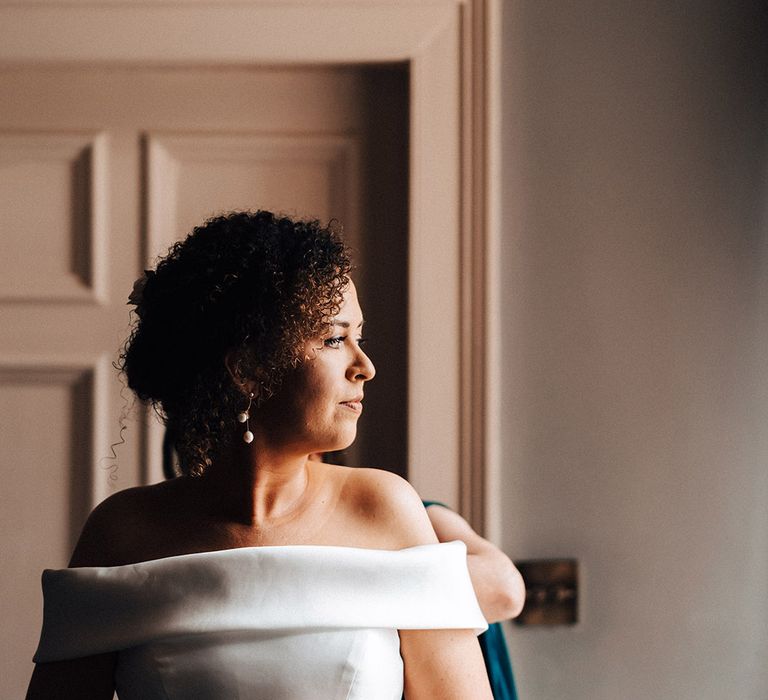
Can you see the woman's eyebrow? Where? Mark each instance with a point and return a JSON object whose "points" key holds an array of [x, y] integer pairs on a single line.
{"points": [[346, 324]]}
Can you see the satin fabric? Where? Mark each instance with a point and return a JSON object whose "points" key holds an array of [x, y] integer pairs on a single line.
{"points": [[271, 623]]}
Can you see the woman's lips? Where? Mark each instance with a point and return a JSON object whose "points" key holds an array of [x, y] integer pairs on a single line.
{"points": [[356, 406]]}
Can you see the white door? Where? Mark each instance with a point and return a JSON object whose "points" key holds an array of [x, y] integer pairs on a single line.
{"points": [[100, 170]]}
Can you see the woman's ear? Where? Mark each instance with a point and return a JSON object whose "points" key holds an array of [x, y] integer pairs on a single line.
{"points": [[233, 364]]}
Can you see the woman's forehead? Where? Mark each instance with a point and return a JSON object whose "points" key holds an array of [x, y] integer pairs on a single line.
{"points": [[349, 311]]}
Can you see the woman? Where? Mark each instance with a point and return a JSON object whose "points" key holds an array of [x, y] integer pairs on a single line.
{"points": [[258, 573]]}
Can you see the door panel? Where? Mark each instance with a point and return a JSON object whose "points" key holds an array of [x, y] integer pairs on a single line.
{"points": [[49, 182], [193, 175], [47, 416]]}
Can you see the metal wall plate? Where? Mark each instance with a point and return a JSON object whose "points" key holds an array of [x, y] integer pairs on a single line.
{"points": [[551, 591]]}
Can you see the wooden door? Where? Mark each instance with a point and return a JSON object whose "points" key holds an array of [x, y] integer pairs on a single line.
{"points": [[100, 170]]}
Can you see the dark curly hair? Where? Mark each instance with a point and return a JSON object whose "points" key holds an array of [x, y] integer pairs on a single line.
{"points": [[252, 286]]}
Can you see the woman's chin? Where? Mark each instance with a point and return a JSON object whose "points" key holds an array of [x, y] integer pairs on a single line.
{"points": [[342, 442]]}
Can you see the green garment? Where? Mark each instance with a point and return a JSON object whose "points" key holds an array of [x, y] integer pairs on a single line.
{"points": [[494, 648]]}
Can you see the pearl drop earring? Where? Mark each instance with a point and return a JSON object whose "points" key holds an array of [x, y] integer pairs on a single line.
{"points": [[244, 417]]}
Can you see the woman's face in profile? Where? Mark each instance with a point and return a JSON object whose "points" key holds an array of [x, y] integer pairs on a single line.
{"points": [[318, 405]]}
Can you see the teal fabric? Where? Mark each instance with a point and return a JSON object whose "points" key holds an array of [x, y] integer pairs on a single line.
{"points": [[494, 648]]}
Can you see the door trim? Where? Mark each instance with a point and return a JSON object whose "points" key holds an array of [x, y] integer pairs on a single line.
{"points": [[452, 47]]}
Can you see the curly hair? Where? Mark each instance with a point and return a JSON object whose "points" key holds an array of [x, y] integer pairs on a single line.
{"points": [[250, 286]]}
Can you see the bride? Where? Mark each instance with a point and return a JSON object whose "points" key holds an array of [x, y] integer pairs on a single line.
{"points": [[259, 573]]}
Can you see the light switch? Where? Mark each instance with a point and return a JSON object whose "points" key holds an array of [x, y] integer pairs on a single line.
{"points": [[551, 591]]}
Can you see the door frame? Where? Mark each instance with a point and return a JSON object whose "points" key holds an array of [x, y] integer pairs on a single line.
{"points": [[452, 48]]}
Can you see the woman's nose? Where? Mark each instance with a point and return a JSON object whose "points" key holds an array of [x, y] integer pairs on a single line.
{"points": [[362, 368]]}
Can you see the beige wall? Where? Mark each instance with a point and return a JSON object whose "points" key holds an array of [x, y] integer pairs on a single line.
{"points": [[635, 287]]}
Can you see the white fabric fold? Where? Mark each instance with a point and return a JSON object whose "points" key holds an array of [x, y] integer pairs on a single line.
{"points": [[255, 590]]}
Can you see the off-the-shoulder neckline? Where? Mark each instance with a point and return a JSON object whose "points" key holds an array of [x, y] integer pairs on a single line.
{"points": [[271, 549]]}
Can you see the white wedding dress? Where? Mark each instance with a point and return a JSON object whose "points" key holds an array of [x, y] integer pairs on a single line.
{"points": [[259, 623]]}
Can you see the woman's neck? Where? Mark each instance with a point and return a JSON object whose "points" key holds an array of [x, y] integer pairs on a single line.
{"points": [[255, 485]]}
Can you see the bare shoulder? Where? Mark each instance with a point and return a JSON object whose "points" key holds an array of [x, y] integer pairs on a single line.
{"points": [[113, 527], [389, 504]]}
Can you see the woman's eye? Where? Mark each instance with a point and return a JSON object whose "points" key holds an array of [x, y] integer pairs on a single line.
{"points": [[339, 340]]}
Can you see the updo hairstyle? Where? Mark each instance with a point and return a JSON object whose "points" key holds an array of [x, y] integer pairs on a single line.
{"points": [[253, 286]]}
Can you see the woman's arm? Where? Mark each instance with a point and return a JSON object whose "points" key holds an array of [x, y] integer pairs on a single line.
{"points": [[445, 664], [441, 663], [498, 585]]}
